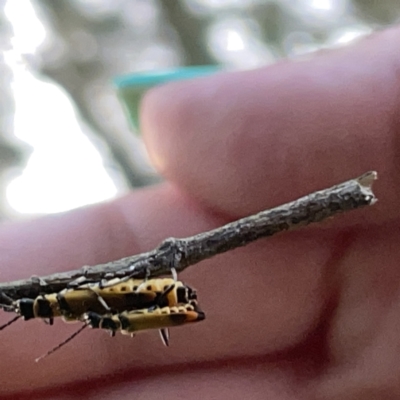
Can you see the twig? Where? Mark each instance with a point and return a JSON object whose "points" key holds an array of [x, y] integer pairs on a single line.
{"points": [[181, 253]]}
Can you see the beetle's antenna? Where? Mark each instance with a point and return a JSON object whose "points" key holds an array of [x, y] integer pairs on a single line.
{"points": [[62, 343], [9, 322]]}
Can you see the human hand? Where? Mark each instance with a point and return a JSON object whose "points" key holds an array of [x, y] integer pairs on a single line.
{"points": [[308, 314]]}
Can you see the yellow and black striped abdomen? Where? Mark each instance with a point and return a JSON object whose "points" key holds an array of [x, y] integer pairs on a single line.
{"points": [[129, 322], [115, 297]]}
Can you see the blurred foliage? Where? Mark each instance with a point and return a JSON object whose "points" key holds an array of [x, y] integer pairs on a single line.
{"points": [[88, 42]]}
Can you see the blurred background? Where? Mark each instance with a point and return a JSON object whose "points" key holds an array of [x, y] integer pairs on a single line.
{"points": [[65, 141]]}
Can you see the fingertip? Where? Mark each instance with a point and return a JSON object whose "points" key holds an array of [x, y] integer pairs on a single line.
{"points": [[166, 116], [244, 141]]}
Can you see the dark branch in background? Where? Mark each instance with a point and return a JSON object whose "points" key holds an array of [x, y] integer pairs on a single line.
{"points": [[192, 32], [180, 253]]}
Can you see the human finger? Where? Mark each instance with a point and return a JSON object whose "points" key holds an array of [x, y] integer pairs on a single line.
{"points": [[245, 141]]}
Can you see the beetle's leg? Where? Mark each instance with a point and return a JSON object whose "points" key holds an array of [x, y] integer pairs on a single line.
{"points": [[164, 334]]}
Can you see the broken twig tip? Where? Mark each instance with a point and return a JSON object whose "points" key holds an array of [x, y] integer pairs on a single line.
{"points": [[368, 178], [366, 181]]}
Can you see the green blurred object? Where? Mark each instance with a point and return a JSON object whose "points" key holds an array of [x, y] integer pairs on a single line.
{"points": [[132, 87]]}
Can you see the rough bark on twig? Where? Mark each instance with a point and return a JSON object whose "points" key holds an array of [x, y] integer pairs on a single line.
{"points": [[181, 253]]}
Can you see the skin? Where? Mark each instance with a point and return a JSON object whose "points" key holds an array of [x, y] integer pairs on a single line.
{"points": [[313, 314]]}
